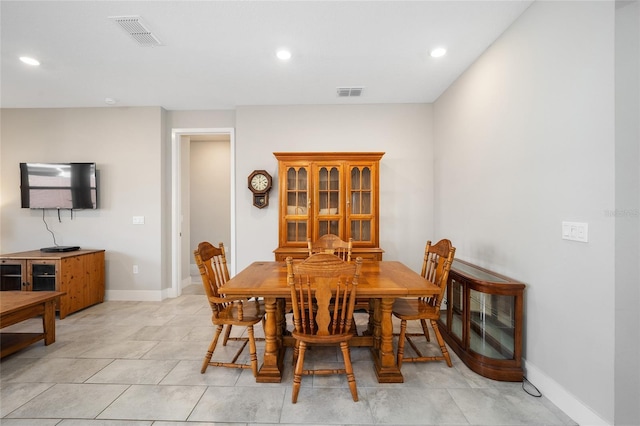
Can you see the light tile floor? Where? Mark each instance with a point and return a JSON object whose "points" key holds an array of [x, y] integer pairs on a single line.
{"points": [[138, 363]]}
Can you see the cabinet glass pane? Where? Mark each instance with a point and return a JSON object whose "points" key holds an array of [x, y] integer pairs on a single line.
{"points": [[457, 307], [328, 227], [10, 277], [43, 277], [361, 230], [297, 187], [492, 325], [361, 190], [328, 190], [297, 230]]}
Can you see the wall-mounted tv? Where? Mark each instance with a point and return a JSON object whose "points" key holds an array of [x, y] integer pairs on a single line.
{"points": [[58, 185]]}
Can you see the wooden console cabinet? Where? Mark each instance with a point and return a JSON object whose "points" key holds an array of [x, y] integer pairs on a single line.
{"points": [[328, 193], [79, 274], [482, 321]]}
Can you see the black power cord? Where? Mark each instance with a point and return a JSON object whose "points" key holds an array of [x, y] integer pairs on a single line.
{"points": [[537, 393], [47, 226]]}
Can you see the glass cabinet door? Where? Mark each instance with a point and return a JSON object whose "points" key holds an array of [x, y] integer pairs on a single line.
{"points": [[456, 305], [492, 325], [11, 276], [43, 277], [327, 207], [297, 212], [361, 202]]}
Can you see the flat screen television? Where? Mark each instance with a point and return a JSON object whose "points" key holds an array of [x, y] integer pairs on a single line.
{"points": [[58, 185]]}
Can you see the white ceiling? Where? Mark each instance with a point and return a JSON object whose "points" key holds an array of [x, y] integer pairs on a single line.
{"points": [[221, 54]]}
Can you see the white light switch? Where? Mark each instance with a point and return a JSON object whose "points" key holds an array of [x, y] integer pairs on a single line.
{"points": [[135, 269], [575, 231], [138, 220]]}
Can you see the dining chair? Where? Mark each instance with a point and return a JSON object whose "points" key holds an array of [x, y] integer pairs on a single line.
{"points": [[332, 244], [323, 292], [435, 268], [212, 264]]}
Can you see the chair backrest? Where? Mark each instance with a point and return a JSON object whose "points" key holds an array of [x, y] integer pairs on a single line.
{"points": [[212, 264], [331, 244], [436, 265], [323, 294]]}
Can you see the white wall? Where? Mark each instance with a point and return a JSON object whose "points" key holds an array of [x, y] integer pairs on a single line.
{"points": [[125, 143], [404, 132], [524, 141]]}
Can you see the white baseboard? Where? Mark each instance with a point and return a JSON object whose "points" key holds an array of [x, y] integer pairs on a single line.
{"points": [[561, 398]]}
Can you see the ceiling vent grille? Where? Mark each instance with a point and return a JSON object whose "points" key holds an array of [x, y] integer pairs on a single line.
{"points": [[137, 30], [349, 92]]}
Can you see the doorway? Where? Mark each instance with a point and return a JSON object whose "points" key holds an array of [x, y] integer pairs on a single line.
{"points": [[180, 240]]}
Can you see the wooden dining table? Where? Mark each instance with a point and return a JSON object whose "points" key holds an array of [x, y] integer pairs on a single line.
{"points": [[380, 281]]}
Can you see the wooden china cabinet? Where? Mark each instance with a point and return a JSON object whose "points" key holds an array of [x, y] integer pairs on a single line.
{"points": [[328, 193]]}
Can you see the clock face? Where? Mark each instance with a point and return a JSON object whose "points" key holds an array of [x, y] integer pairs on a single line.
{"points": [[259, 182]]}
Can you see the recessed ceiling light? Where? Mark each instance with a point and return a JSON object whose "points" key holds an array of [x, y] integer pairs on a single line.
{"points": [[283, 54], [109, 101], [438, 52], [30, 61]]}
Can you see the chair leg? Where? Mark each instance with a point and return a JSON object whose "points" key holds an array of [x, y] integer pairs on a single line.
{"points": [[403, 332], [297, 375], [252, 350], [349, 370], [212, 347], [425, 329], [227, 333], [443, 348], [296, 353]]}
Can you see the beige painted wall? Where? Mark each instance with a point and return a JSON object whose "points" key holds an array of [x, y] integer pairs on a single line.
{"points": [[627, 214], [524, 141], [126, 144], [210, 194], [403, 131]]}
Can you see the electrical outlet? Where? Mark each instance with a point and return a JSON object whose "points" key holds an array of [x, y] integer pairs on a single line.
{"points": [[138, 220]]}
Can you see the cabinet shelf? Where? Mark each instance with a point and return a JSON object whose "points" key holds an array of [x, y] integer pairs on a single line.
{"points": [[481, 320]]}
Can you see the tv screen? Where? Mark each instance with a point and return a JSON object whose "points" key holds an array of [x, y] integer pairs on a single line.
{"points": [[58, 185]]}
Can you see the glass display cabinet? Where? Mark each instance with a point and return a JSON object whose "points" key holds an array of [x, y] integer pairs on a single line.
{"points": [[328, 193], [481, 320]]}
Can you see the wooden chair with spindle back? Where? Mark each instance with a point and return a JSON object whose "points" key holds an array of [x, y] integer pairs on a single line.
{"points": [[212, 265], [323, 293], [435, 268], [332, 244]]}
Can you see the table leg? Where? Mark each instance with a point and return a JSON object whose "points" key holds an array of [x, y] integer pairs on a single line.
{"points": [[270, 369], [49, 322], [384, 358]]}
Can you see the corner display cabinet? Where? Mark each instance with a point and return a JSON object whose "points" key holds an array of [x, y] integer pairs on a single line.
{"points": [[79, 274], [482, 321], [328, 193]]}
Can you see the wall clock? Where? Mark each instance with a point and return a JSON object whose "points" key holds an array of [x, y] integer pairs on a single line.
{"points": [[260, 185]]}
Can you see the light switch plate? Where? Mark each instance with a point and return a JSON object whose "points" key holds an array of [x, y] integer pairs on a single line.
{"points": [[575, 231], [138, 220]]}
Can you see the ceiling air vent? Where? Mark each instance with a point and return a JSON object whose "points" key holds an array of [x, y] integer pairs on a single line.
{"points": [[137, 30], [349, 92]]}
